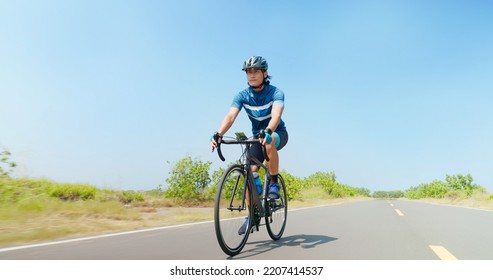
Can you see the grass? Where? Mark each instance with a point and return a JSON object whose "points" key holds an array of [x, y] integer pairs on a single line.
{"points": [[33, 210], [318, 196], [480, 200], [36, 210]]}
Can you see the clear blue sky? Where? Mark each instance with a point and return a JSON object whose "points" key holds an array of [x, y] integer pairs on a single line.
{"points": [[387, 94]]}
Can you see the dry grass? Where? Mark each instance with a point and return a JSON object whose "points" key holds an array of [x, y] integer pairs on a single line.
{"points": [[477, 200], [70, 224], [317, 196], [36, 218], [81, 220], [54, 225], [321, 202]]}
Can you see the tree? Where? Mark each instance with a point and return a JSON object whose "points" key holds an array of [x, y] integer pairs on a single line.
{"points": [[6, 165], [461, 182], [188, 179]]}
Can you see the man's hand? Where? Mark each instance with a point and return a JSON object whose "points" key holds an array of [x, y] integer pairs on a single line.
{"points": [[215, 139], [266, 136]]}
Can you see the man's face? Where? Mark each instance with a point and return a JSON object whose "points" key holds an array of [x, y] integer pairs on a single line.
{"points": [[255, 76]]}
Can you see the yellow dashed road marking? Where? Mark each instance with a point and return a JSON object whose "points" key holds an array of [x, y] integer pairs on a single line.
{"points": [[442, 253], [399, 212]]}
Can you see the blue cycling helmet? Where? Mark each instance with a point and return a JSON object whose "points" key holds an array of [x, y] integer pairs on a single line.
{"points": [[255, 62]]}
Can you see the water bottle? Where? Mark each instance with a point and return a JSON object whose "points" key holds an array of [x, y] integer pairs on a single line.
{"points": [[258, 183]]}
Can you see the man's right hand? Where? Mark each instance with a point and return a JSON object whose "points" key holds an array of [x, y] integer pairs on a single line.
{"points": [[215, 139]]}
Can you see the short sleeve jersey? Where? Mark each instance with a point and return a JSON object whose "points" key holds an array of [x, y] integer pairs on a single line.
{"points": [[258, 106]]}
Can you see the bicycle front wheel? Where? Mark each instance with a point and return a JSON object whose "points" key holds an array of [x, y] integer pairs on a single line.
{"points": [[231, 209], [278, 212]]}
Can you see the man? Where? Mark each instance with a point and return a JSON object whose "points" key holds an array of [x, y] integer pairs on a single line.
{"points": [[264, 105]]}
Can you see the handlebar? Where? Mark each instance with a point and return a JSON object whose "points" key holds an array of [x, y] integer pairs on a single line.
{"points": [[239, 141]]}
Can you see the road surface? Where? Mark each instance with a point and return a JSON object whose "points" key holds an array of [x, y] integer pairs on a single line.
{"points": [[366, 230]]}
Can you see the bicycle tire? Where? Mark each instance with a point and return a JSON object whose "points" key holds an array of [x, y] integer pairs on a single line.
{"points": [[226, 221], [278, 212]]}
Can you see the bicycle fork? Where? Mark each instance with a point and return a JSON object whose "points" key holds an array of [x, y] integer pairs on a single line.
{"points": [[257, 204]]}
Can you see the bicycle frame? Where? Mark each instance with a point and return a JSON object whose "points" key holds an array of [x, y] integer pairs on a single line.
{"points": [[250, 183]]}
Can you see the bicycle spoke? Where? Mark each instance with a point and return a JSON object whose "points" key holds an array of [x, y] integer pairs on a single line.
{"points": [[231, 210], [276, 222]]}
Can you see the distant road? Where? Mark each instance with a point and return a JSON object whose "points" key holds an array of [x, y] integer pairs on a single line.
{"points": [[367, 230]]}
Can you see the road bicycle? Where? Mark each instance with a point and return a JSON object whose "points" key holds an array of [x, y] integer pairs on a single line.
{"points": [[237, 198]]}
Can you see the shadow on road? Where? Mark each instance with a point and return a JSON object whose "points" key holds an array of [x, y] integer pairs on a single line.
{"points": [[304, 241]]}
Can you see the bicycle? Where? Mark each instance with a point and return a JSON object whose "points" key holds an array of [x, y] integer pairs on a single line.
{"points": [[237, 194]]}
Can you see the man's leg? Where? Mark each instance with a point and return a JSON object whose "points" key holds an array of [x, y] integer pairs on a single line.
{"points": [[273, 165]]}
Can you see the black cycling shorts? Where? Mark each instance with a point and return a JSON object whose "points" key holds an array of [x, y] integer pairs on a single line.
{"points": [[256, 149]]}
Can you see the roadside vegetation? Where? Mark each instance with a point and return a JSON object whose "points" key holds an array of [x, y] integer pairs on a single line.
{"points": [[39, 209], [456, 189]]}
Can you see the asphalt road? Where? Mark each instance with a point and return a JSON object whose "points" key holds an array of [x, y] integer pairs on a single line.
{"points": [[367, 230]]}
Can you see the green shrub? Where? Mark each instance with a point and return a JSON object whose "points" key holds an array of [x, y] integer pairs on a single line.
{"points": [[294, 185], [188, 179], [127, 197], [210, 192], [456, 187], [72, 191], [327, 180], [18, 190], [6, 164]]}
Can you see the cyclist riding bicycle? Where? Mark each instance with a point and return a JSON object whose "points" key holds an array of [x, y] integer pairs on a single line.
{"points": [[264, 105]]}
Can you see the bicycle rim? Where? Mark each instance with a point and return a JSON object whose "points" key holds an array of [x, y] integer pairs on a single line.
{"points": [[276, 221], [230, 211]]}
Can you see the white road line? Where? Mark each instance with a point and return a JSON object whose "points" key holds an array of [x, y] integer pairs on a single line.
{"points": [[121, 233], [97, 237], [130, 232]]}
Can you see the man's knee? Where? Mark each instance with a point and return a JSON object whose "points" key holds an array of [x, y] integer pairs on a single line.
{"points": [[274, 143], [271, 147]]}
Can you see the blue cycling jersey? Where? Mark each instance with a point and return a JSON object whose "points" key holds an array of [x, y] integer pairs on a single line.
{"points": [[258, 106]]}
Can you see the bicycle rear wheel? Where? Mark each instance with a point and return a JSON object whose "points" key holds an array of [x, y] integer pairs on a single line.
{"points": [[278, 209], [231, 209]]}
